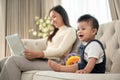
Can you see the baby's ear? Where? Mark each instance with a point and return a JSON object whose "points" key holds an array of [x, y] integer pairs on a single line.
{"points": [[95, 31]]}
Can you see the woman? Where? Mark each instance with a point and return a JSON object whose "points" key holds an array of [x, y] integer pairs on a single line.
{"points": [[59, 43]]}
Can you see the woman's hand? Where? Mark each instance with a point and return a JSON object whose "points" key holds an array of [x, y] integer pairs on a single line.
{"points": [[32, 55]]}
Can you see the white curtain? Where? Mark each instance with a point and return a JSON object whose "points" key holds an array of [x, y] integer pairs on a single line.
{"points": [[97, 8]]}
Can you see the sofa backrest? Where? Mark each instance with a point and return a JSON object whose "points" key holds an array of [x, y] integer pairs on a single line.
{"points": [[109, 35]]}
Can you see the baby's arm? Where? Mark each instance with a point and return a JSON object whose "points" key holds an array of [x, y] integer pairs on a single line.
{"points": [[89, 67]]}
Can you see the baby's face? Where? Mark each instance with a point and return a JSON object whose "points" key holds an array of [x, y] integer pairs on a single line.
{"points": [[85, 31]]}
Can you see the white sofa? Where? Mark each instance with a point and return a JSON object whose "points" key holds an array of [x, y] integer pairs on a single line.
{"points": [[108, 34]]}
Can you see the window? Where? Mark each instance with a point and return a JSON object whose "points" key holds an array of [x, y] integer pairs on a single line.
{"points": [[97, 8]]}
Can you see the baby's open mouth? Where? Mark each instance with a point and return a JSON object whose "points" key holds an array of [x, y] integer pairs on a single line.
{"points": [[80, 35]]}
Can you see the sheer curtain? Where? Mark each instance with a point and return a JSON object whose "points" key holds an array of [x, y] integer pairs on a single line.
{"points": [[97, 8]]}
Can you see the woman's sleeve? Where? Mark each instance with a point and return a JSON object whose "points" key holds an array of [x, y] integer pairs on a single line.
{"points": [[64, 46]]}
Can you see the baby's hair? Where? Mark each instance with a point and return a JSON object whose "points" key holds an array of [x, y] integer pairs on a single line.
{"points": [[90, 19]]}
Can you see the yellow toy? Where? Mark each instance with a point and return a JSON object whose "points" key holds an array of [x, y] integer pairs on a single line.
{"points": [[72, 60]]}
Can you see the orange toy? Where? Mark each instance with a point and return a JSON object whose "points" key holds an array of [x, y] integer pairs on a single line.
{"points": [[72, 60]]}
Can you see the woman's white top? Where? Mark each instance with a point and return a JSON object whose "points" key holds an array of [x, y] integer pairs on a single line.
{"points": [[61, 43]]}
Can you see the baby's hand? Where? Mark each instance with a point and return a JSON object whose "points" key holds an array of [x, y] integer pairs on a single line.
{"points": [[82, 71]]}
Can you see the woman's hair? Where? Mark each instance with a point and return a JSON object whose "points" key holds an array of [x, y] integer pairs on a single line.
{"points": [[88, 18], [59, 9]]}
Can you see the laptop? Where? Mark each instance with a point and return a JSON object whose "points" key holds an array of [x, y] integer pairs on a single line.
{"points": [[15, 44]]}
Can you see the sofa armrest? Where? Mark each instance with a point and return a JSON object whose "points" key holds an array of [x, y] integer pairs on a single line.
{"points": [[35, 44]]}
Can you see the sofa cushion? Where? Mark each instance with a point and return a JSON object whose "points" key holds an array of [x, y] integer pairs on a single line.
{"points": [[28, 75], [51, 75], [35, 44]]}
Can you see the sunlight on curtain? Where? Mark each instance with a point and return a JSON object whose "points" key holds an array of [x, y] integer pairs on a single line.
{"points": [[97, 8]]}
